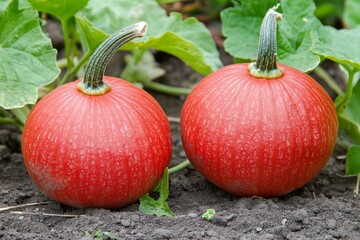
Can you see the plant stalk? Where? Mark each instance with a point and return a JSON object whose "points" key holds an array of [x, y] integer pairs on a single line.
{"points": [[328, 80], [166, 88], [93, 83], [340, 107], [265, 65], [180, 166], [66, 34], [356, 190]]}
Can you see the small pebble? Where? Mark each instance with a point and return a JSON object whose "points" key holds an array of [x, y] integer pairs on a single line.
{"points": [[211, 233], [331, 224], [193, 215], [258, 229], [21, 218], [135, 218], [267, 236], [125, 222], [163, 233]]}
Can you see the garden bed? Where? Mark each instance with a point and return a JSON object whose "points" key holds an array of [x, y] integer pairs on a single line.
{"points": [[323, 209]]}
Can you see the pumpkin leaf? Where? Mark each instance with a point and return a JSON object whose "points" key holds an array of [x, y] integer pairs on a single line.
{"points": [[158, 207], [170, 34], [90, 37], [241, 27], [144, 70], [62, 9], [353, 161], [337, 45], [28, 60], [351, 13]]}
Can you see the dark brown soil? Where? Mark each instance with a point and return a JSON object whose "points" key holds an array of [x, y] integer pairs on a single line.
{"points": [[323, 209]]}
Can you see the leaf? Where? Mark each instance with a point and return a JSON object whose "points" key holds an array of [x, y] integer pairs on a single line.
{"points": [[340, 46], [144, 70], [353, 161], [241, 27], [352, 108], [158, 207], [62, 9], [186, 39], [209, 214], [90, 37], [22, 4], [351, 13], [28, 60]]}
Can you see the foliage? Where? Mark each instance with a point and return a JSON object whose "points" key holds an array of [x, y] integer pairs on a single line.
{"points": [[158, 207], [209, 214], [28, 60]]}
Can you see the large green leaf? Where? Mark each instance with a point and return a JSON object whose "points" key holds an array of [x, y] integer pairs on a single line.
{"points": [[341, 46], [241, 27], [90, 36], [22, 4], [28, 60], [62, 9], [351, 13], [187, 39]]}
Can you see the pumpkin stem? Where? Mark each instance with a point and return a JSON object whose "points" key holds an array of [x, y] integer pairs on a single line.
{"points": [[265, 65], [93, 83]]}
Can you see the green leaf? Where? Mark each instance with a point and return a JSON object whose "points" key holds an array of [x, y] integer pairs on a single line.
{"points": [[352, 109], [186, 39], [351, 13], [144, 70], [340, 46], [353, 161], [209, 214], [22, 4], [158, 207], [90, 37], [62, 9], [28, 60], [241, 27]]}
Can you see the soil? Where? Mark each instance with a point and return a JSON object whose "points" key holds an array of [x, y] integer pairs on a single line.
{"points": [[325, 208]]}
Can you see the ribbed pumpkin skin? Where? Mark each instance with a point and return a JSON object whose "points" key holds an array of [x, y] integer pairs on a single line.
{"points": [[258, 137], [97, 151]]}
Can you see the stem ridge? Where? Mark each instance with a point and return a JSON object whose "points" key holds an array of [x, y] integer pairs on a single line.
{"points": [[265, 65], [93, 83]]}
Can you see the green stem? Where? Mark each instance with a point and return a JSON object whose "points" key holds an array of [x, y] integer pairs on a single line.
{"points": [[265, 65], [340, 106], [166, 89], [73, 72], [356, 190], [180, 166], [62, 63], [65, 30], [7, 121], [93, 83], [328, 80], [21, 114]]}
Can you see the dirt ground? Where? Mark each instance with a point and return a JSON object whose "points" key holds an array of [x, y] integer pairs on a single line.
{"points": [[323, 209]]}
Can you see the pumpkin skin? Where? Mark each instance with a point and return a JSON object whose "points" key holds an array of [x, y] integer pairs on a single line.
{"points": [[258, 137], [97, 151]]}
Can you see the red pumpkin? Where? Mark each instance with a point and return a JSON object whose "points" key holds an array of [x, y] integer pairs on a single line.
{"points": [[104, 150], [262, 132]]}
